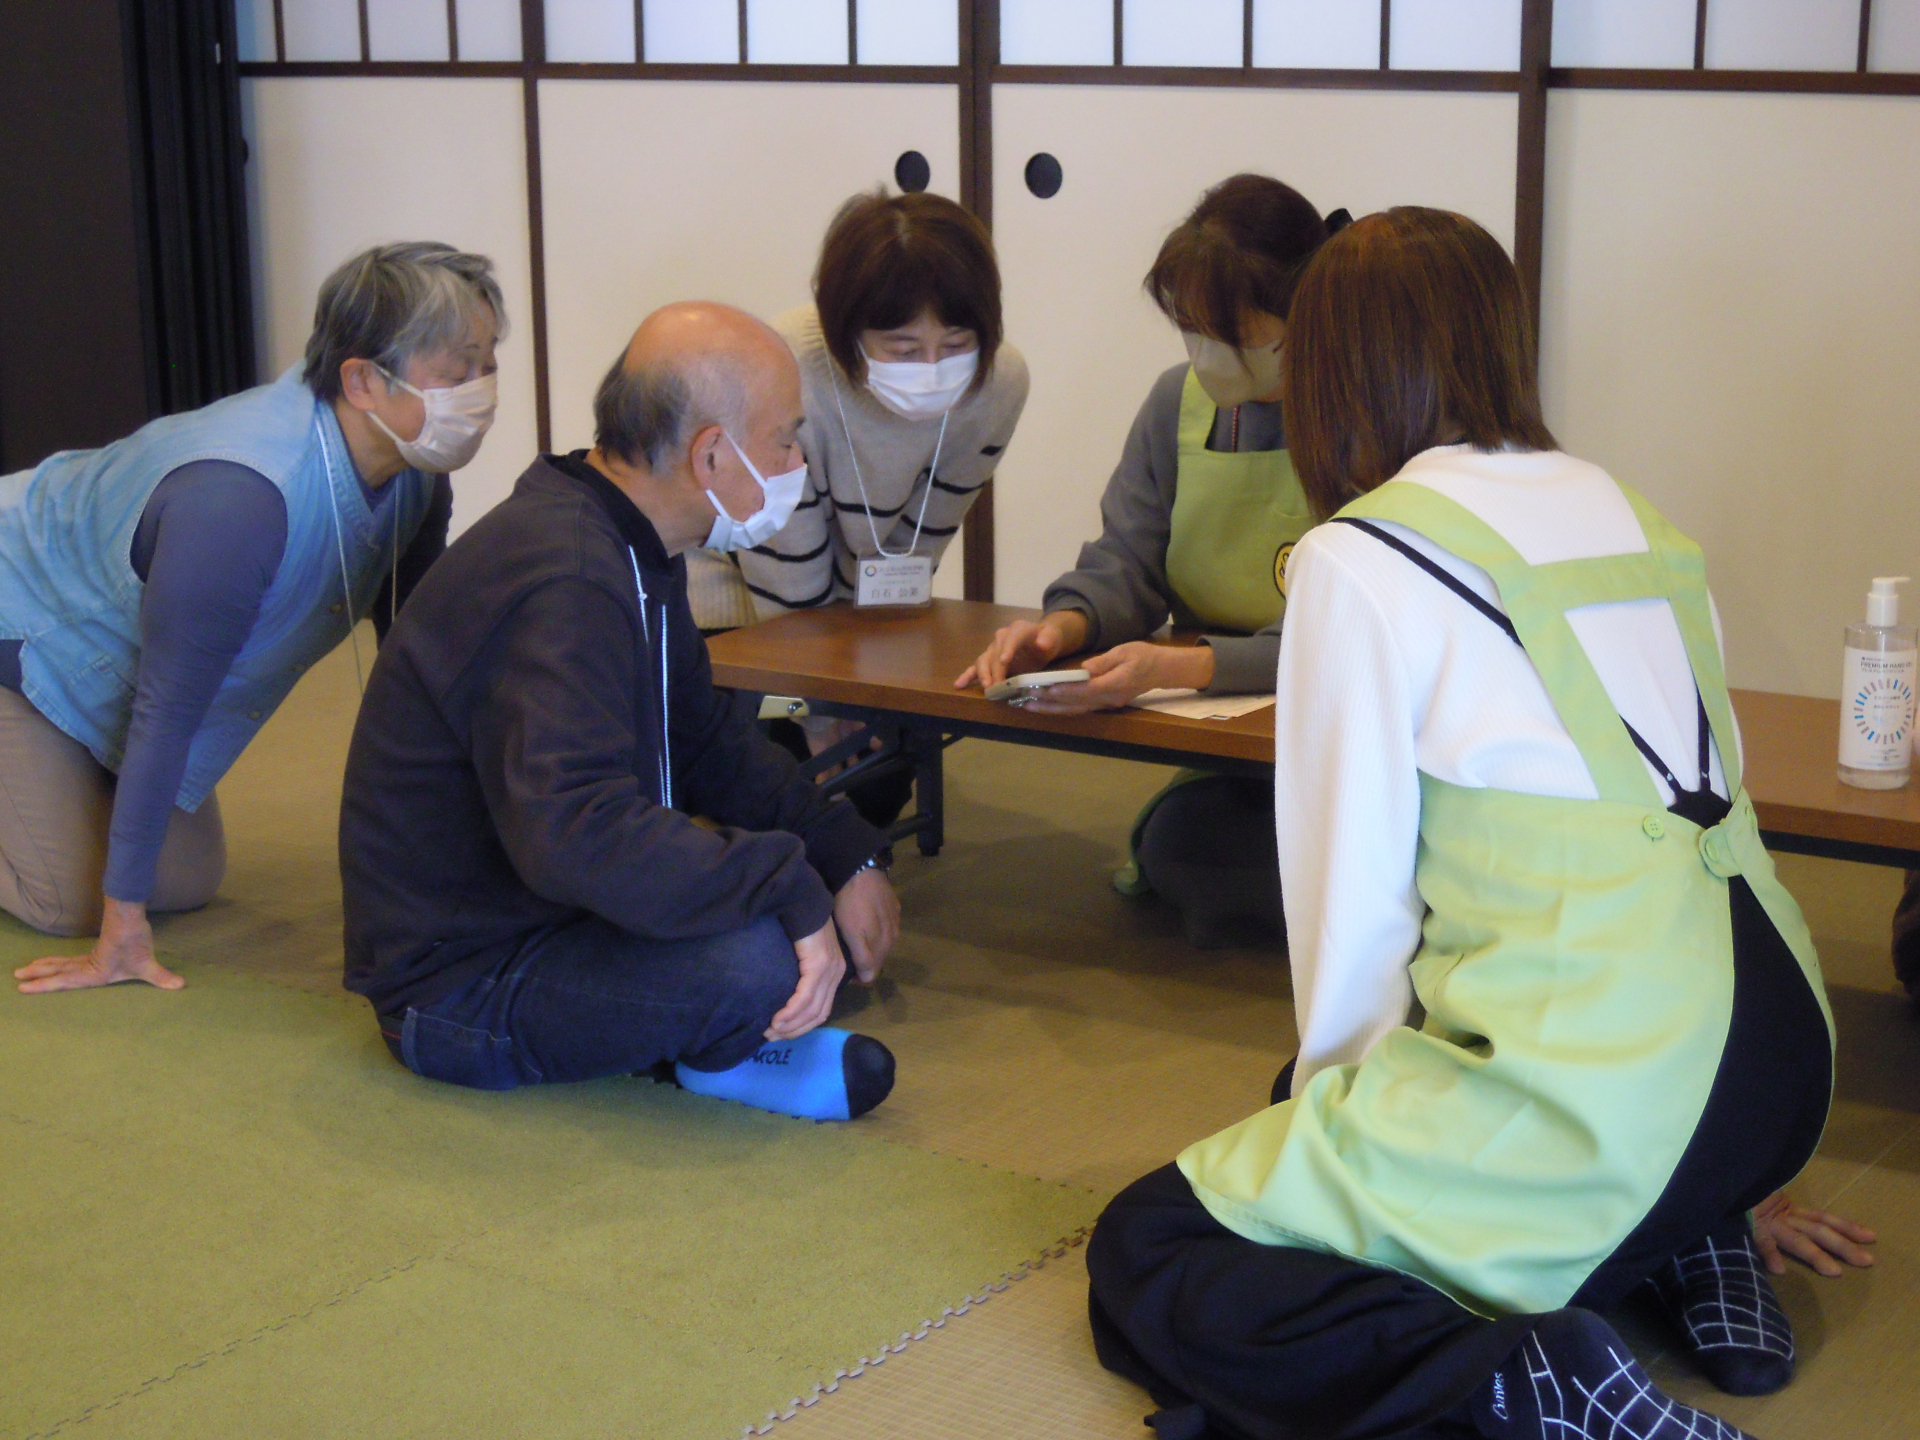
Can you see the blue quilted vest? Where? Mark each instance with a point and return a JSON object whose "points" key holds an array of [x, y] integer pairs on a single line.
{"points": [[68, 588]]}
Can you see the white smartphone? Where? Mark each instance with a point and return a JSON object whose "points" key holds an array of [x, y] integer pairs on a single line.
{"points": [[1023, 687]]}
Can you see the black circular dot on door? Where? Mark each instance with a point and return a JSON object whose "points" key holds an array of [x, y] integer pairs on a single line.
{"points": [[911, 172], [1043, 176]]}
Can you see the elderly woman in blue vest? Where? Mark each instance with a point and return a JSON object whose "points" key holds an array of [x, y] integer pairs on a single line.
{"points": [[160, 597]]}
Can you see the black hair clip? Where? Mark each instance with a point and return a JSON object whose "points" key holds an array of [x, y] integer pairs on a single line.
{"points": [[1338, 221]]}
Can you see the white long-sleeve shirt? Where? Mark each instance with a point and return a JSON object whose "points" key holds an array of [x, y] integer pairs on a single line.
{"points": [[1385, 673]]}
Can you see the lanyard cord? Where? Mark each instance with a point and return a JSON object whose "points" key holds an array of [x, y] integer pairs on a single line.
{"points": [[664, 762], [340, 548], [933, 469], [1681, 793]]}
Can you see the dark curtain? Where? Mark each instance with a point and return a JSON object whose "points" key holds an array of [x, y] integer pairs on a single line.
{"points": [[190, 193]]}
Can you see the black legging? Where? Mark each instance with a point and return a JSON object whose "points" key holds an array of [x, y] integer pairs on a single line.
{"points": [[1208, 849]]}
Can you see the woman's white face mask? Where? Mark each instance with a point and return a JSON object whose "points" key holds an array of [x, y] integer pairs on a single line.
{"points": [[458, 418], [1233, 376], [919, 389]]}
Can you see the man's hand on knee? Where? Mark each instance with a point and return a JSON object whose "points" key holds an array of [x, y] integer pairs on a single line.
{"points": [[821, 966], [124, 951], [868, 914]]}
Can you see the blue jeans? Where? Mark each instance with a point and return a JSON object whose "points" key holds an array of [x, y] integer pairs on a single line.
{"points": [[589, 1000]]}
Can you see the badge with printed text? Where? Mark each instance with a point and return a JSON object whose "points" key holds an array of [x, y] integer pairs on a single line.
{"points": [[907, 580]]}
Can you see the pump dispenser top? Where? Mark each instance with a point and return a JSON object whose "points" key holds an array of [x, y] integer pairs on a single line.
{"points": [[1883, 601]]}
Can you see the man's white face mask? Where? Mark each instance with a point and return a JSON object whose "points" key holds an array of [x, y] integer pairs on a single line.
{"points": [[780, 495], [458, 418], [919, 389], [1232, 376]]}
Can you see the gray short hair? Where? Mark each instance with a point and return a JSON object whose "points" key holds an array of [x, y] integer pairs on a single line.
{"points": [[647, 414], [394, 302]]}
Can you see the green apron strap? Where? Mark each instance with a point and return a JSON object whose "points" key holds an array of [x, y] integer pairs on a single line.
{"points": [[1532, 601], [1197, 412], [1687, 593]]}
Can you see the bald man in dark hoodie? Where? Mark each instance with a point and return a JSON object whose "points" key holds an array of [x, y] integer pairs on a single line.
{"points": [[527, 895]]}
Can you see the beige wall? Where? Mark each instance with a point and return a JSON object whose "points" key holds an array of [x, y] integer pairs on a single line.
{"points": [[341, 164], [1135, 160], [1732, 325], [669, 190], [1732, 306]]}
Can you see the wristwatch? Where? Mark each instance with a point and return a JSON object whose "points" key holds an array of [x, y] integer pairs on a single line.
{"points": [[881, 860]]}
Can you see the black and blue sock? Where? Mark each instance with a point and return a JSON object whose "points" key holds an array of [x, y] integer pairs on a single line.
{"points": [[1723, 1300], [825, 1074], [1573, 1378]]}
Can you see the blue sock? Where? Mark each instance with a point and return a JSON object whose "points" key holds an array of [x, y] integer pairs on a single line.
{"points": [[826, 1074]]}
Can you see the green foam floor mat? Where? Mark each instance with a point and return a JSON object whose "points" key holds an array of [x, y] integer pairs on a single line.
{"points": [[230, 1213]]}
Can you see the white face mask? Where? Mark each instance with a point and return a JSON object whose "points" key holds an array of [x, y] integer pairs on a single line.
{"points": [[1233, 377], [781, 494], [917, 390], [458, 418]]}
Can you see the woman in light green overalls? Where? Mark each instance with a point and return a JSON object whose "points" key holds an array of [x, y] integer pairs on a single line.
{"points": [[1625, 1044], [1197, 525]]}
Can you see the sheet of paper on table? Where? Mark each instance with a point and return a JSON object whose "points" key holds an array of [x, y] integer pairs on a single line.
{"points": [[1192, 705]]}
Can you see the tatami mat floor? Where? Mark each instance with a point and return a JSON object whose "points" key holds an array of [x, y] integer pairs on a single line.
{"points": [[1045, 1024]]}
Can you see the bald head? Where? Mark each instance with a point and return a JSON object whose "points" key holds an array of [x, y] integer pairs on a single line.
{"points": [[691, 366]]}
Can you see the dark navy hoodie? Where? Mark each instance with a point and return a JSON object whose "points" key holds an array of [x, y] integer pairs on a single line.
{"points": [[538, 731]]}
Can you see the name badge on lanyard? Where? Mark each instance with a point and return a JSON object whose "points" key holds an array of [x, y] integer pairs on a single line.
{"points": [[895, 580]]}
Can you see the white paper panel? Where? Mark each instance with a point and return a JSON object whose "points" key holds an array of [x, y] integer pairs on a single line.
{"points": [[407, 29], [585, 31], [1783, 34], [909, 32], [1455, 35], [1183, 32], [693, 32], [1056, 32], [253, 26], [489, 29], [1136, 159], [1895, 42], [797, 32], [1624, 34], [1732, 327], [321, 29], [1317, 34], [332, 174], [615, 251]]}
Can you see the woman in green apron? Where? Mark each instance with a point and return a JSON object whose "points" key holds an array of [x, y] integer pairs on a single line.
{"points": [[1508, 785], [1197, 524]]}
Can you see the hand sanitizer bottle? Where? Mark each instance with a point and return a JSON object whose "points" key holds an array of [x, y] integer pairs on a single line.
{"points": [[1876, 699]]}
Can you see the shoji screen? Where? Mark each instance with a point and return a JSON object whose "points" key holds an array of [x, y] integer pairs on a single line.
{"points": [[340, 164], [671, 190], [1732, 325], [1133, 160]]}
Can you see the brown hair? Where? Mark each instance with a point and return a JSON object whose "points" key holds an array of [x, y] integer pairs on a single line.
{"points": [[1242, 249], [1409, 330], [887, 257]]}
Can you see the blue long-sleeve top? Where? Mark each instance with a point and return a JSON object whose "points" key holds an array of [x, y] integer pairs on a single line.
{"points": [[207, 547]]}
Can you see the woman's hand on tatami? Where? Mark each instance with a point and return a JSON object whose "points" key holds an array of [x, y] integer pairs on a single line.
{"points": [[1124, 673], [124, 951], [1813, 1237]]}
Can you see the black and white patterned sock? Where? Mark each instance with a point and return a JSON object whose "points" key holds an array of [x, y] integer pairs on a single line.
{"points": [[1573, 1378], [1722, 1298]]}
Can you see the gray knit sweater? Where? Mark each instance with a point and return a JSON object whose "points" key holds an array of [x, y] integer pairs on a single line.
{"points": [[1121, 584], [811, 561]]}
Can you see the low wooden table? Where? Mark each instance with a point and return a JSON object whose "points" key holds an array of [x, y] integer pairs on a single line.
{"points": [[894, 670]]}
